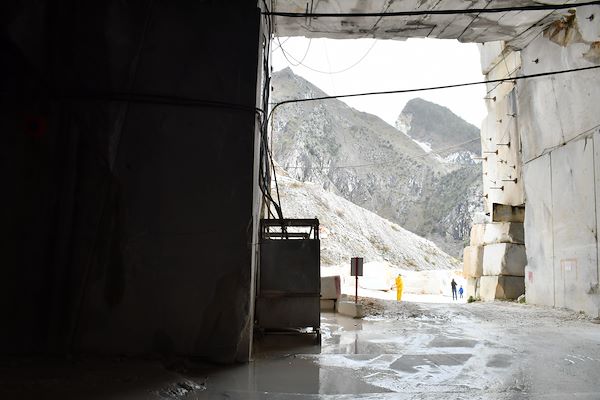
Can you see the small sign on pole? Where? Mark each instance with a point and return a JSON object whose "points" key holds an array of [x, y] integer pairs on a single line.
{"points": [[356, 266], [356, 270]]}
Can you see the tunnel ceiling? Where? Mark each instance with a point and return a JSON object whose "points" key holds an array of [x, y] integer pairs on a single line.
{"points": [[516, 27]]}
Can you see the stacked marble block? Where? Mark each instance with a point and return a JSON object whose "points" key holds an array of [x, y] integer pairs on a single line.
{"points": [[330, 292], [494, 263]]}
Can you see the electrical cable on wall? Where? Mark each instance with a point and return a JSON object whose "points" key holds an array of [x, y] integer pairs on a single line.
{"points": [[266, 164], [495, 10], [146, 98]]}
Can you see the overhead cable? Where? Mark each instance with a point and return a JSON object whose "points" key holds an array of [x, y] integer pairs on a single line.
{"points": [[516, 78], [146, 98], [286, 53], [266, 164], [538, 7]]}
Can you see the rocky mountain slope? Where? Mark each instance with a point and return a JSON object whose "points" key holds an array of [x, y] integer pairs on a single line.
{"points": [[439, 130], [347, 230], [360, 157]]}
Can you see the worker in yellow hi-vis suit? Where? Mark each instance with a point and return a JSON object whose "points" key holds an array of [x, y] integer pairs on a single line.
{"points": [[399, 287]]}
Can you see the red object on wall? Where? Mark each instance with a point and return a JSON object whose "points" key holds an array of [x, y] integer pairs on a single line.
{"points": [[35, 126]]}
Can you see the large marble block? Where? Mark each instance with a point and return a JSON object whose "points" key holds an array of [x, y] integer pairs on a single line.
{"points": [[477, 233], [507, 213], [472, 287], [350, 309], [501, 287], [330, 287], [473, 261], [504, 232], [504, 259], [327, 305]]}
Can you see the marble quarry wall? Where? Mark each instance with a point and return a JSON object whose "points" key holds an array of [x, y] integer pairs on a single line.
{"points": [[541, 140]]}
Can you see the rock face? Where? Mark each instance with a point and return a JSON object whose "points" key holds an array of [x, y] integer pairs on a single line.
{"points": [[440, 130], [365, 160], [347, 230]]}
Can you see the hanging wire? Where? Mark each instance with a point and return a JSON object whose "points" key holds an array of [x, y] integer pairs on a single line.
{"points": [[516, 78], [286, 54]]}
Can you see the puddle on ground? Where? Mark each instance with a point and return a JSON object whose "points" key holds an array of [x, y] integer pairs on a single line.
{"points": [[452, 342], [409, 363]]}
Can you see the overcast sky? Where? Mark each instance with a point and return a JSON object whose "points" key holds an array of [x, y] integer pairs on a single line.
{"points": [[390, 65]]}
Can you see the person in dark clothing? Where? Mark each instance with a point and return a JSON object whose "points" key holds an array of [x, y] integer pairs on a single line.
{"points": [[453, 284]]}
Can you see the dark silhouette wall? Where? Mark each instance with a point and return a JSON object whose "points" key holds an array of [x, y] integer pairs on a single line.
{"points": [[126, 198]]}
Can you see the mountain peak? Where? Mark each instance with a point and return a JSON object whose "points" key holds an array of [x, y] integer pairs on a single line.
{"points": [[285, 71], [291, 86], [437, 126]]}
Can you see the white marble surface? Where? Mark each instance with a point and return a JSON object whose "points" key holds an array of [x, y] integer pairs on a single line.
{"points": [[473, 261], [539, 240], [504, 259], [574, 225], [501, 287], [472, 287], [554, 110], [504, 232], [490, 55], [477, 233]]}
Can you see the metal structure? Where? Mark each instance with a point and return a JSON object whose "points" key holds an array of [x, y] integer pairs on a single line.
{"points": [[289, 281]]}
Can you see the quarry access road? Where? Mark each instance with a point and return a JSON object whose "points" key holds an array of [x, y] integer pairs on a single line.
{"points": [[499, 350], [408, 350]]}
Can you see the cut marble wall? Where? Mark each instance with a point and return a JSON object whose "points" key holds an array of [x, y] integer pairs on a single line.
{"points": [[539, 241], [558, 124], [556, 109], [502, 183], [574, 225], [489, 54]]}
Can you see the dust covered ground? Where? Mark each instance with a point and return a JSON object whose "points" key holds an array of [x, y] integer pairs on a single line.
{"points": [[406, 350], [502, 312]]}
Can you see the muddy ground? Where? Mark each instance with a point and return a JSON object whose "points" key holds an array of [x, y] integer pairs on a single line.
{"points": [[405, 350]]}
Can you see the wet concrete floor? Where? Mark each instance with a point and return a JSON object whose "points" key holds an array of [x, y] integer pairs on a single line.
{"points": [[410, 351]]}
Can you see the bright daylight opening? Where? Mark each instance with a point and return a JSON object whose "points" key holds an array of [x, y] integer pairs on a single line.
{"points": [[392, 178]]}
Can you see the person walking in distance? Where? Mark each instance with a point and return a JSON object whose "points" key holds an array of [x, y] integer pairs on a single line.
{"points": [[460, 291], [453, 284]]}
